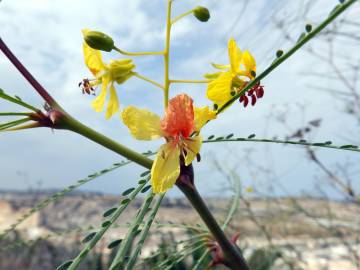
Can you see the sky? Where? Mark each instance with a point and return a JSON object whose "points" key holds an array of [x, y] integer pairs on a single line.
{"points": [[46, 36]]}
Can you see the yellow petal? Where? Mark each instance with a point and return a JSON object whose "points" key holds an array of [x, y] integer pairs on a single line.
{"points": [[98, 103], [249, 63], [93, 59], [219, 90], [218, 66], [212, 76], [166, 168], [234, 55], [192, 148], [113, 105], [202, 116], [121, 70], [143, 124], [124, 78]]}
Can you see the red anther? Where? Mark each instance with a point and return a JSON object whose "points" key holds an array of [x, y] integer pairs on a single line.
{"points": [[258, 89], [251, 92], [244, 99], [86, 87], [260, 92], [253, 100]]}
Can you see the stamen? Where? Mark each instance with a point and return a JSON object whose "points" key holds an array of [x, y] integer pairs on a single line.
{"points": [[86, 87], [244, 99], [253, 100], [257, 91]]}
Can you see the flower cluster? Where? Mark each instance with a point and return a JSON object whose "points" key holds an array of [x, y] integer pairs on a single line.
{"points": [[181, 124], [232, 78]]}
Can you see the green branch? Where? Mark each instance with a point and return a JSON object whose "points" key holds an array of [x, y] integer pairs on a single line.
{"points": [[71, 124], [327, 144], [14, 114], [14, 123], [16, 100]]}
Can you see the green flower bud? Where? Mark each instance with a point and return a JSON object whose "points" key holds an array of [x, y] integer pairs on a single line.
{"points": [[308, 28], [202, 13], [98, 40]]}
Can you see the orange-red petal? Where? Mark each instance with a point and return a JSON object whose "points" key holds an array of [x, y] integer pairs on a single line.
{"points": [[179, 117]]}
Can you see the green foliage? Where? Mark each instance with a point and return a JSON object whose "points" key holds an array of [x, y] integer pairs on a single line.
{"points": [[106, 225], [251, 138], [127, 242], [17, 101], [166, 248], [64, 266], [88, 237], [109, 212], [144, 233], [15, 123], [58, 195], [114, 244]]}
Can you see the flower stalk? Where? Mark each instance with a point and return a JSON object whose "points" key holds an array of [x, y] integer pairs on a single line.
{"points": [[189, 81], [177, 18], [166, 54], [137, 53], [141, 77]]}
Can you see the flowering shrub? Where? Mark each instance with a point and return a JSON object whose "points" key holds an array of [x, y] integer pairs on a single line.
{"points": [[180, 127]]}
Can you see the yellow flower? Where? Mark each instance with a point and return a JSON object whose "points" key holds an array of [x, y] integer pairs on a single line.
{"points": [[230, 79], [106, 74], [180, 127]]}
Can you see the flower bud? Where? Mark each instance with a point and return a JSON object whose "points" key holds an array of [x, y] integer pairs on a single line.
{"points": [[98, 40], [202, 13], [279, 53], [308, 27]]}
